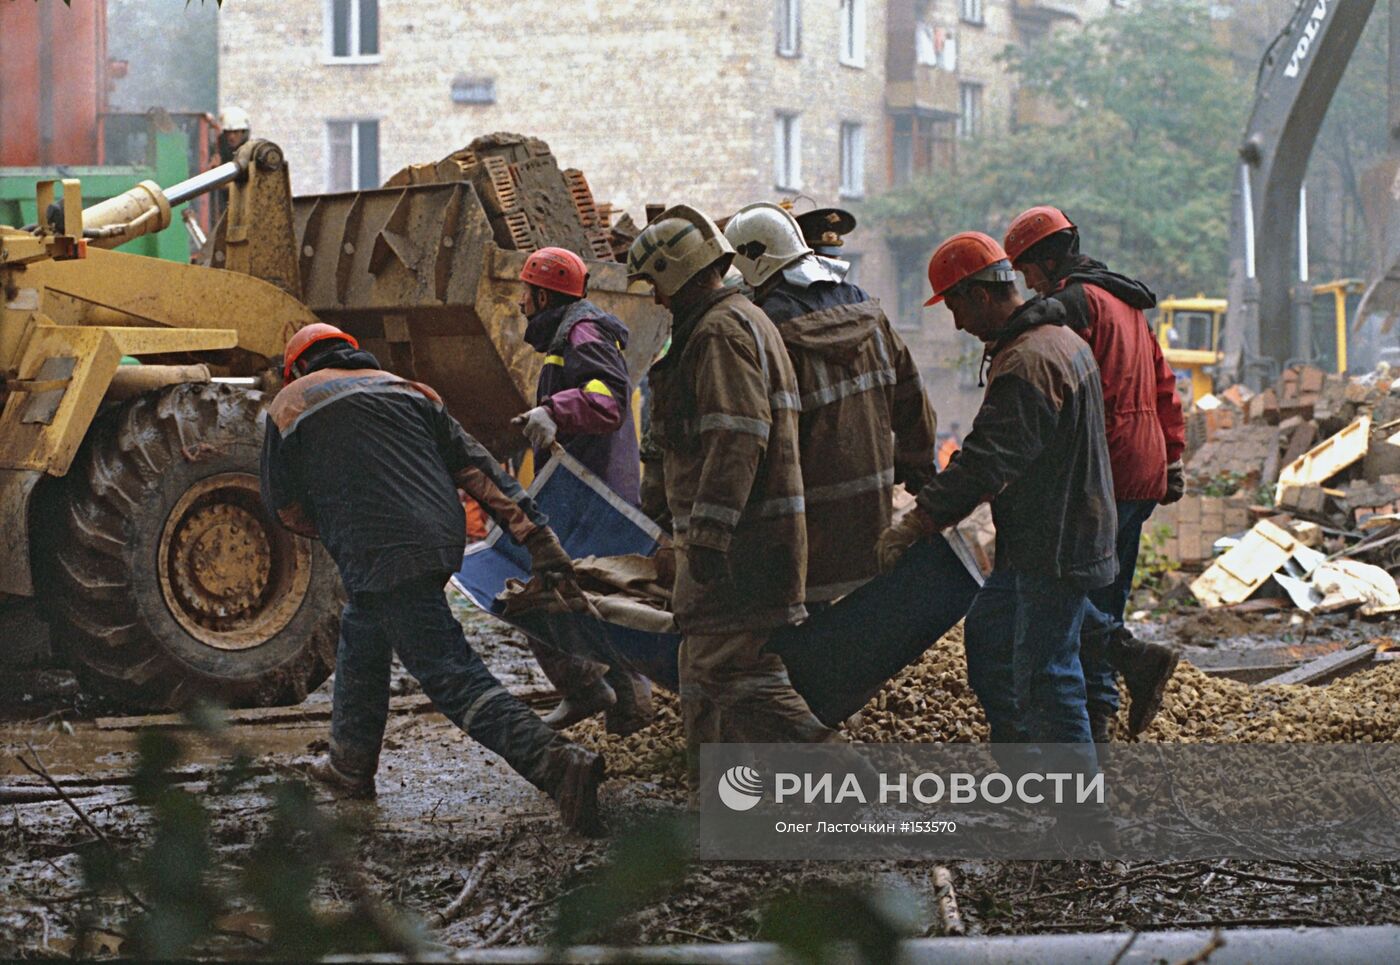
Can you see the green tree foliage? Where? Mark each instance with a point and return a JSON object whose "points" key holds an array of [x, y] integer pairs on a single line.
{"points": [[1141, 154]]}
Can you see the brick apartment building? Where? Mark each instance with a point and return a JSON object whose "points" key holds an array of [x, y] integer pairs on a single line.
{"points": [[712, 103]]}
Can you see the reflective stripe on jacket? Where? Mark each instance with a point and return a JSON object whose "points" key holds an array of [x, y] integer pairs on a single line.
{"points": [[724, 415], [865, 424]]}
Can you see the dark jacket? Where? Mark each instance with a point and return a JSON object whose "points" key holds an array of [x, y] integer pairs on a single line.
{"points": [[1036, 450], [1142, 411], [865, 425], [724, 415], [584, 384], [371, 463]]}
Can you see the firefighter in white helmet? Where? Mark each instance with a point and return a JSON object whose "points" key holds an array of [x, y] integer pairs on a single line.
{"points": [[865, 423], [724, 417]]}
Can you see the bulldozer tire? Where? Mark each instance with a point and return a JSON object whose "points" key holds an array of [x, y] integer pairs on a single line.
{"points": [[166, 580]]}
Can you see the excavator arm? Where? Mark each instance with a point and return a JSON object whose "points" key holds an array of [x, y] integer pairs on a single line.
{"points": [[1269, 292]]}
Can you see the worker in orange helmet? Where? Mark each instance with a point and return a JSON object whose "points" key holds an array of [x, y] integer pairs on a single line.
{"points": [[370, 464], [1146, 438], [1036, 449], [582, 402]]}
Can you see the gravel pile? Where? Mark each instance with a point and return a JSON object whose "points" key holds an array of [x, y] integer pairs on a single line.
{"points": [[931, 701]]}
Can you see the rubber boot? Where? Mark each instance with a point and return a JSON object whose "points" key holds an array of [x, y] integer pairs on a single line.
{"points": [[339, 782], [633, 710], [566, 772], [1147, 668], [581, 705]]}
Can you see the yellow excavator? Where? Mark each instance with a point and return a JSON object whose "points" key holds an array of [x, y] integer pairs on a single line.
{"points": [[131, 526], [1190, 331]]}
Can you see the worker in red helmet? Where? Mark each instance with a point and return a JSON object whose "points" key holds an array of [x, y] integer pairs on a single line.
{"points": [[1146, 438], [1036, 450], [582, 402], [370, 464]]}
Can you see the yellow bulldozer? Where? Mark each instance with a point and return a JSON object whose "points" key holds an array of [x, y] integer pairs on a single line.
{"points": [[130, 518]]}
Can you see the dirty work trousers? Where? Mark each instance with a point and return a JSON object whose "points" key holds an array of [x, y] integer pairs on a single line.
{"points": [[733, 692], [1100, 679], [1022, 640], [414, 620], [572, 675]]}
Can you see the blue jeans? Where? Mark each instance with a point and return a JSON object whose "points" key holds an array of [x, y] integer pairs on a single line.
{"points": [[414, 620], [1022, 640], [1109, 603]]}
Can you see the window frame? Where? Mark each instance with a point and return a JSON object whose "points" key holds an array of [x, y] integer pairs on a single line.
{"points": [[787, 150], [355, 125], [966, 131], [852, 160], [789, 20], [328, 54], [973, 12], [851, 37]]}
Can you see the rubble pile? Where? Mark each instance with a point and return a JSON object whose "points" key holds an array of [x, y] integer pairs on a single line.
{"points": [[1299, 486], [932, 702]]}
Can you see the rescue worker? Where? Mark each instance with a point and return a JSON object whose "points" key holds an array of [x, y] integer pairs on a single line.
{"points": [[724, 417], [370, 463], [823, 230], [235, 128], [1036, 448], [1146, 438], [582, 403], [865, 422]]}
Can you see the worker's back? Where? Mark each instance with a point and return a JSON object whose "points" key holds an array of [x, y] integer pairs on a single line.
{"points": [[361, 450]]}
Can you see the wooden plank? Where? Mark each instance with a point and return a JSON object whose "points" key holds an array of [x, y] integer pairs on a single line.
{"points": [[1328, 457], [1323, 667], [1246, 566]]}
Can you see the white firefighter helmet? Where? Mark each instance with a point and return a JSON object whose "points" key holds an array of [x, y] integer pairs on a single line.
{"points": [[677, 246], [766, 239], [234, 119]]}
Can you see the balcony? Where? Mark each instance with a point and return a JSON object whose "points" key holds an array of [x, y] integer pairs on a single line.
{"points": [[931, 91]]}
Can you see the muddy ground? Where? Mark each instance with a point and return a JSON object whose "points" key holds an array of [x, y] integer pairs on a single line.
{"points": [[444, 803]]}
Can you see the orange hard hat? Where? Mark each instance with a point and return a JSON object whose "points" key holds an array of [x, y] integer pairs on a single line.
{"points": [[307, 336], [1033, 225], [557, 269], [965, 256]]}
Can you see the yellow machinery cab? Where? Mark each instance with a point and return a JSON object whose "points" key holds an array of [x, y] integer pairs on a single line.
{"points": [[1188, 329], [1337, 299]]}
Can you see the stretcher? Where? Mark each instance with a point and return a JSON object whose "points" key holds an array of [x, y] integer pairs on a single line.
{"points": [[837, 659]]}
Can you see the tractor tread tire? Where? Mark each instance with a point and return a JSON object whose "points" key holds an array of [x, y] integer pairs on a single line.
{"points": [[100, 566]]}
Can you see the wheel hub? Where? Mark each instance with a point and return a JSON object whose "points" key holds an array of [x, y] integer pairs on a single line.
{"points": [[231, 577]]}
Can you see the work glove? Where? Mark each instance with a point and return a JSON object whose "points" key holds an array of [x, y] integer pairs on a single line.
{"points": [[897, 539], [1176, 483], [707, 565], [547, 557], [538, 425]]}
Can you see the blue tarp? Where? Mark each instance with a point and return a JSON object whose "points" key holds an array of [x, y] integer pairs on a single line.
{"points": [[838, 659], [590, 520]]}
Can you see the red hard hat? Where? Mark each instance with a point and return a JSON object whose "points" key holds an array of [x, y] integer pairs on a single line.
{"points": [[557, 269], [962, 256], [307, 336], [1032, 225]]}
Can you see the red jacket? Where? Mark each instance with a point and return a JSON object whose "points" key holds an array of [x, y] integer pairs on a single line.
{"points": [[1142, 411]]}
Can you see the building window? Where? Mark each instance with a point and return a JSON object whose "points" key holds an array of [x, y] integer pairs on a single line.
{"points": [[911, 282], [352, 30], [787, 151], [474, 90], [852, 160], [352, 155], [969, 110], [790, 28], [919, 145], [972, 11], [853, 33]]}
